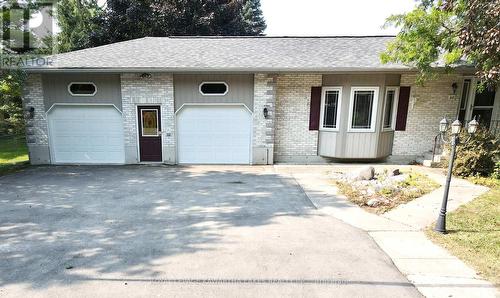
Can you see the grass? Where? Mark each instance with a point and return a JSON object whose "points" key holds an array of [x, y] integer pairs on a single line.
{"points": [[485, 181], [474, 232], [13, 154], [415, 186]]}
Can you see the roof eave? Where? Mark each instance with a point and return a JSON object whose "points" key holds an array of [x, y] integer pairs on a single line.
{"points": [[227, 69]]}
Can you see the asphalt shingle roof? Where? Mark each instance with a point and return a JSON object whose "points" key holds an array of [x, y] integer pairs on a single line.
{"points": [[233, 54]]}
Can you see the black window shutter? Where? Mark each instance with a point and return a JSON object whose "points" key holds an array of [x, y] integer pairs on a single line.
{"points": [[404, 100], [315, 108]]}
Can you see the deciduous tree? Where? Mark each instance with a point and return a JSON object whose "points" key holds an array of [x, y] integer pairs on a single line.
{"points": [[451, 33]]}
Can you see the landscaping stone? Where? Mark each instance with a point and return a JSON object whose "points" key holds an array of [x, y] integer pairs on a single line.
{"points": [[397, 179], [373, 202], [385, 190], [370, 191], [395, 172], [367, 173]]}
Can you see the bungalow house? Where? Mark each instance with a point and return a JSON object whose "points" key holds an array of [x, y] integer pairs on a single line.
{"points": [[239, 100]]}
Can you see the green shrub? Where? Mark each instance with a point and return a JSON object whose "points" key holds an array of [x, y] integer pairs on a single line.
{"points": [[11, 109], [496, 171], [478, 156], [386, 191], [485, 181]]}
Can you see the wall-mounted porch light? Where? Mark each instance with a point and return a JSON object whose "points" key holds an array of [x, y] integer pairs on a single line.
{"points": [[454, 87], [30, 112], [266, 112]]}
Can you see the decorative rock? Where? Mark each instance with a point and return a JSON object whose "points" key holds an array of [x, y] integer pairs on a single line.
{"points": [[395, 172], [366, 173], [370, 191], [399, 178], [373, 202]]}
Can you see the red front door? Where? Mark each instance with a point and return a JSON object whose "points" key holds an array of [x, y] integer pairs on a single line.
{"points": [[149, 120]]}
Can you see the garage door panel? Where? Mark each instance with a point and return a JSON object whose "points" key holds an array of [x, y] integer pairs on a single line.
{"points": [[115, 141], [215, 134], [86, 134]]}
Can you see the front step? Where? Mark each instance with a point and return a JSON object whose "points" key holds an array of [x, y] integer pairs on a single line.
{"points": [[427, 161]]}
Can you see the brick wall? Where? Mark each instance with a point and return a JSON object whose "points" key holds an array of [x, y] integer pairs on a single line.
{"points": [[36, 128], [431, 103], [263, 128], [293, 139], [285, 132], [157, 90]]}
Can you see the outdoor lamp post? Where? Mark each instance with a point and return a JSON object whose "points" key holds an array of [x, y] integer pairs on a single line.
{"points": [[456, 127]]}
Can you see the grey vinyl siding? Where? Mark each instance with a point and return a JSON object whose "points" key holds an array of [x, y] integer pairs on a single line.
{"points": [[392, 80], [344, 144], [327, 143], [186, 89], [55, 89], [385, 141], [360, 145]]}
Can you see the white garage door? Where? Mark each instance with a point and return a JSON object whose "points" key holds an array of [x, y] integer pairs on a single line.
{"points": [[214, 135], [86, 134]]}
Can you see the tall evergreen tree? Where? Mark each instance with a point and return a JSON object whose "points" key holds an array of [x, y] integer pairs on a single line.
{"points": [[124, 20], [254, 22], [76, 19], [129, 19]]}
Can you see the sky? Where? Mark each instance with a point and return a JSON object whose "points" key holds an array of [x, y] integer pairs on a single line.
{"points": [[324, 17], [331, 17]]}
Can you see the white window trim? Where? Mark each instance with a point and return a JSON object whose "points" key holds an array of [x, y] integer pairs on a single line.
{"points": [[374, 109], [322, 110], [216, 94], [85, 95], [394, 108], [157, 124]]}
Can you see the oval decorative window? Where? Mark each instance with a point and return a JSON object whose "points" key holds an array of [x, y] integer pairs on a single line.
{"points": [[213, 88], [82, 89]]}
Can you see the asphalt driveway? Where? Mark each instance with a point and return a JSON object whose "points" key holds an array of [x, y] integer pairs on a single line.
{"points": [[179, 231]]}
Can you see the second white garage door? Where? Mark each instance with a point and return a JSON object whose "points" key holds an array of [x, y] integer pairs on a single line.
{"points": [[214, 135], [86, 134]]}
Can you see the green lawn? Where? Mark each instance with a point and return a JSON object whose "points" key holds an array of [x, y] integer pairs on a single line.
{"points": [[13, 154], [474, 233]]}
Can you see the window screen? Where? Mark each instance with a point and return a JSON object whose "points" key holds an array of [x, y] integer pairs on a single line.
{"points": [[463, 100], [485, 98], [389, 108], [330, 109], [362, 109]]}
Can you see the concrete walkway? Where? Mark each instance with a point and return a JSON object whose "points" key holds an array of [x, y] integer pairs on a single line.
{"points": [[434, 271]]}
